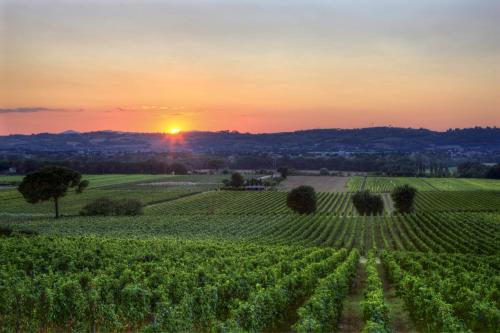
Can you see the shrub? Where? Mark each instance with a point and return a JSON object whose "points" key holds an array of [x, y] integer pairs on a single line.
{"points": [[100, 206], [105, 206], [128, 207], [404, 197], [302, 200], [324, 172], [367, 203], [8, 231]]}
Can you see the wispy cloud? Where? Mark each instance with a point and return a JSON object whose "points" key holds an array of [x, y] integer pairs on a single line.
{"points": [[35, 109], [162, 110]]}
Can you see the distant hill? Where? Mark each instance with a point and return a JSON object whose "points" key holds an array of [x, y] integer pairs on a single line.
{"points": [[374, 139]]}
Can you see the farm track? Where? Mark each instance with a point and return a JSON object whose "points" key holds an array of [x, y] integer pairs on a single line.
{"points": [[351, 319], [400, 319]]}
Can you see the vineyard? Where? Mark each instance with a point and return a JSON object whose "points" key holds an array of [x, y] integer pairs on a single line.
{"points": [[426, 232], [170, 285], [387, 184], [461, 292], [234, 261], [458, 201], [249, 203]]}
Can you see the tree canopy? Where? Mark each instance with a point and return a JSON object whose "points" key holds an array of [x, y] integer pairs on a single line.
{"points": [[367, 203], [403, 198], [51, 182], [237, 180], [302, 199], [283, 172]]}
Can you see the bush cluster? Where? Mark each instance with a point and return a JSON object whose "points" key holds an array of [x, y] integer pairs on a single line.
{"points": [[105, 206]]}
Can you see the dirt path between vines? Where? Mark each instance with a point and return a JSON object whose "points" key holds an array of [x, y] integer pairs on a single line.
{"points": [[351, 319], [389, 205], [401, 321]]}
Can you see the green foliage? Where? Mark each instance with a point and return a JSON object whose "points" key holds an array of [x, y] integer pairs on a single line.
{"points": [[105, 206], [449, 232], [472, 170], [302, 200], [452, 293], [494, 172], [404, 198], [375, 310], [106, 284], [283, 171], [374, 327], [322, 310], [367, 203], [50, 183], [237, 180]]}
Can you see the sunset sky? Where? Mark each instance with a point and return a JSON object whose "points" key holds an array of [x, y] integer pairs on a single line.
{"points": [[248, 65]]}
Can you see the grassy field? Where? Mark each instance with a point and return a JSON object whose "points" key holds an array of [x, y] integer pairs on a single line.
{"points": [[148, 189], [204, 260]]}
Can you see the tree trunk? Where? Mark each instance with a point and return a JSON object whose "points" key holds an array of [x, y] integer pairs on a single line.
{"points": [[56, 206]]}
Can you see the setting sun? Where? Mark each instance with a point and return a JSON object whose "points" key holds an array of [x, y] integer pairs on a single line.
{"points": [[174, 130]]}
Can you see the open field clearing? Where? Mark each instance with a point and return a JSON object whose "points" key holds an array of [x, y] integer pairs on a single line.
{"points": [[13, 202], [99, 180], [387, 184], [204, 182], [319, 183], [437, 232], [133, 179], [116, 187]]}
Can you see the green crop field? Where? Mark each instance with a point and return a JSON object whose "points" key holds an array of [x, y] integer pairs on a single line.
{"points": [[386, 184], [437, 232], [248, 203], [203, 260]]}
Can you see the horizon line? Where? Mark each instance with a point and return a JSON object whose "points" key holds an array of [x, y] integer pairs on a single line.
{"points": [[252, 133]]}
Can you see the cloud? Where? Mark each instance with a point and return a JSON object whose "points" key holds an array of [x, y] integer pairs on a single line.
{"points": [[35, 109], [161, 108]]}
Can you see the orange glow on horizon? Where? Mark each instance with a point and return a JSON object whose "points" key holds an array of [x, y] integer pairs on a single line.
{"points": [[174, 130], [172, 67]]}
